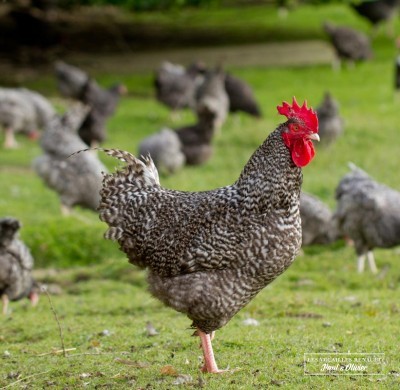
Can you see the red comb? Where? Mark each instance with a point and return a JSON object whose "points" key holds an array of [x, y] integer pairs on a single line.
{"points": [[307, 115]]}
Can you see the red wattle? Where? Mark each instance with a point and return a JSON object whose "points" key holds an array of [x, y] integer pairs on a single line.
{"points": [[302, 152]]}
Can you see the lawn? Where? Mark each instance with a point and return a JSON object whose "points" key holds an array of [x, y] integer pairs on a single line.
{"points": [[320, 305]]}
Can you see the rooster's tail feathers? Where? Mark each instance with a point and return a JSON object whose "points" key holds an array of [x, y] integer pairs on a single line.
{"points": [[140, 173]]}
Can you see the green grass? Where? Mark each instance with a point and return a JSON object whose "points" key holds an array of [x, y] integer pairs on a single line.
{"points": [[319, 305]]}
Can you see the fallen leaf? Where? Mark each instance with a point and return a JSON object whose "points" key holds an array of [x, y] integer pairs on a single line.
{"points": [[95, 343], [168, 370], [85, 375]]}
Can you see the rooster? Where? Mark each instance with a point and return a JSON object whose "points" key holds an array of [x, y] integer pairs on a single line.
{"points": [[209, 253], [368, 213]]}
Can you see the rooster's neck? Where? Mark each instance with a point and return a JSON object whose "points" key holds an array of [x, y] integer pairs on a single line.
{"points": [[270, 177]]}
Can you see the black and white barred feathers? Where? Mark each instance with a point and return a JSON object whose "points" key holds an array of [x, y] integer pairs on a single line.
{"points": [[207, 253]]}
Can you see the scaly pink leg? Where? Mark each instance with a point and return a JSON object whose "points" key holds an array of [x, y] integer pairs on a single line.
{"points": [[9, 139], [65, 210], [34, 298], [209, 360], [5, 300]]}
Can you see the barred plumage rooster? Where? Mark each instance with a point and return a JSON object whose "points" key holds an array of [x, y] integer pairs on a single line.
{"points": [[209, 253]]}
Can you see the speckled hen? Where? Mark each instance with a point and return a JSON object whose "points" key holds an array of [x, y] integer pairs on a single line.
{"points": [[367, 212], [16, 263], [350, 45], [317, 223], [23, 110], [77, 180], [209, 253]]}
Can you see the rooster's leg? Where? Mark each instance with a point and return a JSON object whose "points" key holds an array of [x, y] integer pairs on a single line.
{"points": [[360, 263], [371, 262], [5, 300], [209, 361]]}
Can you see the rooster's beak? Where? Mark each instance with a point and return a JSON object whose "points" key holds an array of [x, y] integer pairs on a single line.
{"points": [[314, 136]]}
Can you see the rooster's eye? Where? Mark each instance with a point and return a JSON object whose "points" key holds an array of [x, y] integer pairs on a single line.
{"points": [[295, 127]]}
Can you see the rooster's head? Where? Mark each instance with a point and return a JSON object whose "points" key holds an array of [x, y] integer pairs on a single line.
{"points": [[300, 129]]}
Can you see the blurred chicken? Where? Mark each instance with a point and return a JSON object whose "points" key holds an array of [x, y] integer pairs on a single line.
{"points": [[190, 144], [16, 264], [70, 80], [330, 122], [317, 223], [75, 83], [397, 66], [350, 45], [165, 149], [102, 103], [23, 110], [176, 86], [212, 97], [77, 180], [377, 11], [368, 213], [197, 139], [241, 96]]}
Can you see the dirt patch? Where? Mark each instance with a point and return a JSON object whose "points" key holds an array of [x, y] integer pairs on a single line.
{"points": [[235, 56], [254, 55]]}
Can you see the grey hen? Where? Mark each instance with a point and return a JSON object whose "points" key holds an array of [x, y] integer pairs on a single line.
{"points": [[70, 80], [189, 144], [209, 253], [16, 264], [197, 139], [176, 86], [349, 44], [165, 149], [376, 11], [77, 180], [368, 213], [23, 110], [74, 83], [317, 223], [241, 96], [330, 122], [102, 103], [211, 97]]}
